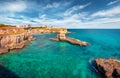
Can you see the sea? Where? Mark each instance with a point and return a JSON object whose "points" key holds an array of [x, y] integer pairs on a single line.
{"points": [[44, 58]]}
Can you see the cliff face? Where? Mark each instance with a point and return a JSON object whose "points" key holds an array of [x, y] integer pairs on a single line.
{"points": [[14, 41], [14, 37]]}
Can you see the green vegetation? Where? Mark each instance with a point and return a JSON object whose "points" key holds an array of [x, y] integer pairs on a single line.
{"points": [[3, 25]]}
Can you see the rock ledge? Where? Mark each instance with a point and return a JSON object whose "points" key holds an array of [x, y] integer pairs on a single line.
{"points": [[61, 37]]}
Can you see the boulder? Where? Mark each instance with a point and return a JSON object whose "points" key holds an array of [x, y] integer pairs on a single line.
{"points": [[109, 68]]}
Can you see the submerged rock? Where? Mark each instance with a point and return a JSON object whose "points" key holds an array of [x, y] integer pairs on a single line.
{"points": [[109, 68], [6, 73]]}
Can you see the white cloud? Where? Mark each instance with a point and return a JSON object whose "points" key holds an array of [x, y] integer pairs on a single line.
{"points": [[104, 20], [78, 16], [75, 22], [17, 6], [75, 18], [107, 13], [67, 22], [53, 5], [71, 20], [75, 8], [15, 21], [113, 2], [56, 5], [42, 16]]}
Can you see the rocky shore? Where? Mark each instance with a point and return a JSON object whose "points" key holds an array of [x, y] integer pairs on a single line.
{"points": [[12, 37], [16, 38], [109, 68], [61, 36], [8, 42]]}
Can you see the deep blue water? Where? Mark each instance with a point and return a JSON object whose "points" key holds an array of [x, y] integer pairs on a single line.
{"points": [[44, 58]]}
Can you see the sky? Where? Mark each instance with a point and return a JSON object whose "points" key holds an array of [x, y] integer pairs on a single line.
{"points": [[61, 13]]}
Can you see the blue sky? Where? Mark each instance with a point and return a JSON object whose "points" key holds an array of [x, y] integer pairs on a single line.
{"points": [[62, 13]]}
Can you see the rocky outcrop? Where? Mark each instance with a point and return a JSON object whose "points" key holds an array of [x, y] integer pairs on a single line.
{"points": [[8, 42], [61, 36], [3, 50], [109, 68], [12, 37]]}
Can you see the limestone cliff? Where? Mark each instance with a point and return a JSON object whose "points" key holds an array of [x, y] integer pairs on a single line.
{"points": [[12, 37], [14, 41]]}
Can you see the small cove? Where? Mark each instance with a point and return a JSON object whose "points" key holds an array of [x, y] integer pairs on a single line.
{"points": [[44, 58]]}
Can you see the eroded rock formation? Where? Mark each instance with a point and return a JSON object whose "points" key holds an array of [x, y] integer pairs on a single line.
{"points": [[61, 36], [3, 50], [12, 37], [14, 41], [109, 68]]}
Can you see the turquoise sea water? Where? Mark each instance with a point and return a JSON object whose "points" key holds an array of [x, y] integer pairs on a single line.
{"points": [[44, 58]]}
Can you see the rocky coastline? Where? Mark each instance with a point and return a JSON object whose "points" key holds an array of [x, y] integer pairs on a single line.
{"points": [[61, 36], [8, 42], [109, 68], [16, 38], [12, 37]]}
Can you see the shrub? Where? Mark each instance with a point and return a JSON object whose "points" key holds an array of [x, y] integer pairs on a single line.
{"points": [[3, 25]]}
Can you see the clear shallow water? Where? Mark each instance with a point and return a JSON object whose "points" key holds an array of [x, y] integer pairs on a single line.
{"points": [[48, 59]]}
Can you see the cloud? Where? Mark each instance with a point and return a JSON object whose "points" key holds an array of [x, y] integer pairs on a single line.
{"points": [[112, 2], [56, 5], [108, 18], [78, 16], [17, 6], [16, 20], [107, 13], [104, 20], [76, 22], [42, 16], [75, 8], [69, 22], [53, 5]]}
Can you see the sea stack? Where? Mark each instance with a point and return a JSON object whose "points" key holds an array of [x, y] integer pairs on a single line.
{"points": [[61, 36]]}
